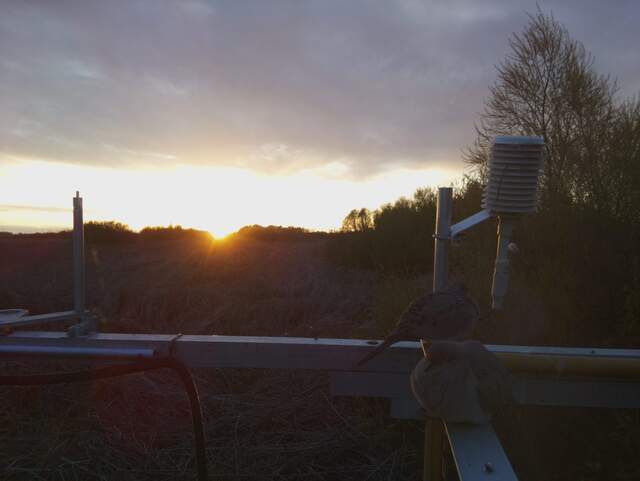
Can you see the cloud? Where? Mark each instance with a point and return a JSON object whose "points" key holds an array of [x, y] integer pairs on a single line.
{"points": [[31, 208], [273, 86]]}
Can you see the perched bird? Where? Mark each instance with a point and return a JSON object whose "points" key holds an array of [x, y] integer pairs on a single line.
{"points": [[461, 382], [442, 315]]}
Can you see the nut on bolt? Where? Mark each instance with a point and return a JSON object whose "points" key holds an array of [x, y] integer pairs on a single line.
{"points": [[487, 468]]}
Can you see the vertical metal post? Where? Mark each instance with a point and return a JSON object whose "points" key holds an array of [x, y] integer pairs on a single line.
{"points": [[501, 267], [434, 429], [79, 304], [442, 238], [433, 442]]}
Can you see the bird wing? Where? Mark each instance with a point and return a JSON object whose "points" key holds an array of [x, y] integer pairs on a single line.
{"points": [[404, 330], [414, 316], [447, 314]]}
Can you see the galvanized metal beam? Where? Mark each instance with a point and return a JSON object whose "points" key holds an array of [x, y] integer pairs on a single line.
{"points": [[386, 376], [527, 390], [476, 449], [337, 354], [341, 354], [238, 351], [79, 287], [442, 238], [433, 431], [469, 222], [38, 319], [98, 353], [478, 453]]}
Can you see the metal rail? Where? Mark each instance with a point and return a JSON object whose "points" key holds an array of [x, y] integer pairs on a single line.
{"points": [[478, 453], [543, 375], [23, 321], [76, 352], [538, 382]]}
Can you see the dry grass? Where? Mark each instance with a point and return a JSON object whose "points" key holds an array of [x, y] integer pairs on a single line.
{"points": [[138, 427], [259, 424]]}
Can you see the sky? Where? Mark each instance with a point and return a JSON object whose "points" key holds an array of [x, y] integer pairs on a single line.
{"points": [[216, 115]]}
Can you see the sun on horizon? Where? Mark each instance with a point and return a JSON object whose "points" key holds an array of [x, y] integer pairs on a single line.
{"points": [[218, 200]]}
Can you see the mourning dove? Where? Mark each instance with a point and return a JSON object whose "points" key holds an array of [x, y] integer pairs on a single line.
{"points": [[461, 382], [447, 314]]}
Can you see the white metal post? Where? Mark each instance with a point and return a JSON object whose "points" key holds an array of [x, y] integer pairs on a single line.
{"points": [[434, 429], [442, 238], [79, 303], [501, 268]]}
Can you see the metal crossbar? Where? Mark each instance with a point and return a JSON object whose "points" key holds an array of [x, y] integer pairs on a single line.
{"points": [[543, 375], [476, 449]]}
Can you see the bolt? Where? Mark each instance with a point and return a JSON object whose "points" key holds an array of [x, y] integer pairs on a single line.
{"points": [[487, 468]]}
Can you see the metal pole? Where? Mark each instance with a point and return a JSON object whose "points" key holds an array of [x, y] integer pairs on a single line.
{"points": [[501, 268], [79, 304], [433, 443], [77, 352], [434, 429], [442, 238]]}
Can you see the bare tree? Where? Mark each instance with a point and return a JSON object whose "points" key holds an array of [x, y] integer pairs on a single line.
{"points": [[547, 86]]}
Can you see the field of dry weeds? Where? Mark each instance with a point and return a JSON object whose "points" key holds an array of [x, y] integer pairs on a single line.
{"points": [[259, 424]]}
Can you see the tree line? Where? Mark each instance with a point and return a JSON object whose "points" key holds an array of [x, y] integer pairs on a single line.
{"points": [[580, 252]]}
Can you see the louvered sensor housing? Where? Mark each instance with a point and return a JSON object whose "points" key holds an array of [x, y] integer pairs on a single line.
{"points": [[512, 190], [514, 169]]}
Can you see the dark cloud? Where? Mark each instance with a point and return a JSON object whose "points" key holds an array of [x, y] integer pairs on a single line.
{"points": [[274, 86]]}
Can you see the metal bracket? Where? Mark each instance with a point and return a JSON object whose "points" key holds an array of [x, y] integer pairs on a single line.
{"points": [[88, 322], [88, 325], [441, 237], [475, 219], [478, 453], [23, 319]]}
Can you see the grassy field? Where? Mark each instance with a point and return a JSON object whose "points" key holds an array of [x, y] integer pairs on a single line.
{"points": [[259, 424]]}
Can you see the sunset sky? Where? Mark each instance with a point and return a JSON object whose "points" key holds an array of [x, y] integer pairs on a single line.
{"points": [[215, 115]]}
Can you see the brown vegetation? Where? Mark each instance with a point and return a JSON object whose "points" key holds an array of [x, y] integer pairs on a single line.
{"points": [[260, 424], [575, 282]]}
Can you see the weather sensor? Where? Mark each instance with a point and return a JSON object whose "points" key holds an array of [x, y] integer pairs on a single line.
{"points": [[511, 191]]}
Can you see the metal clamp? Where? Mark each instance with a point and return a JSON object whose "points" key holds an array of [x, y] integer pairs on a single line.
{"points": [[171, 350], [442, 237], [88, 325]]}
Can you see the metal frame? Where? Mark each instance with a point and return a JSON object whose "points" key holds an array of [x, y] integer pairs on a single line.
{"points": [[537, 382], [478, 453], [544, 375], [553, 363]]}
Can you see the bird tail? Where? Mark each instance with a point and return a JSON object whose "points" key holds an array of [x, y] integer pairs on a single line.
{"points": [[377, 350]]}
